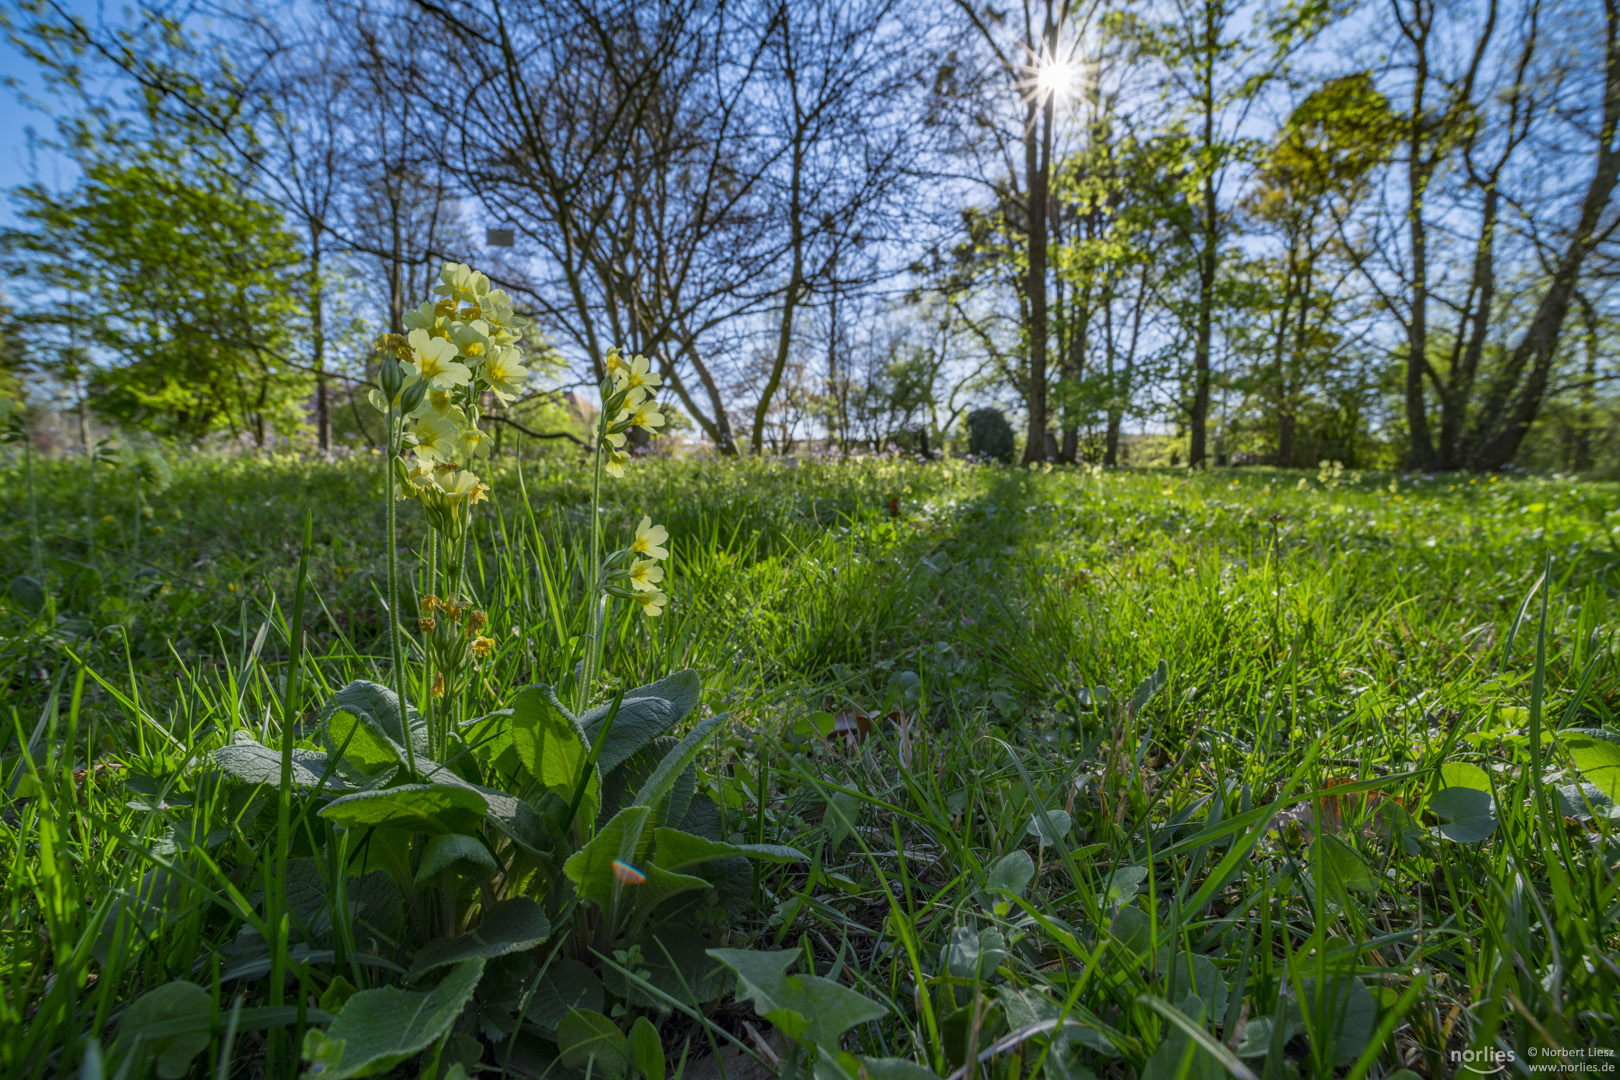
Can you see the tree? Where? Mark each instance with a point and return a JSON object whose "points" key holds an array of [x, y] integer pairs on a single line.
{"points": [[177, 283]]}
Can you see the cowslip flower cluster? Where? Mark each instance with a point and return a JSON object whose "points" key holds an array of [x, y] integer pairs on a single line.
{"points": [[459, 347], [634, 573], [626, 403]]}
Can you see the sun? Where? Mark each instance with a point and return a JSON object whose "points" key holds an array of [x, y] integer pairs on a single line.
{"points": [[1054, 78]]}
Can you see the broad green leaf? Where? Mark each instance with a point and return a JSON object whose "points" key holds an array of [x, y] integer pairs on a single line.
{"points": [[675, 850], [465, 853], [427, 808], [1121, 885], [646, 1050], [589, 1039], [1342, 868], [28, 594], [1340, 1012], [975, 954], [808, 1008], [1468, 814], [512, 925], [644, 714], [1597, 758], [362, 742], [552, 747], [378, 1029], [1180, 1056], [592, 869], [655, 792], [255, 764], [171, 1001], [674, 961], [1185, 974], [565, 984], [1012, 873], [1051, 829], [1464, 774], [884, 1068], [380, 705]]}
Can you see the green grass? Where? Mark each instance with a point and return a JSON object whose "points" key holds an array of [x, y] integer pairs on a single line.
{"points": [[1336, 657]]}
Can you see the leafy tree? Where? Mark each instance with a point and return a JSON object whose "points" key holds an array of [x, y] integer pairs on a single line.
{"points": [[179, 284]]}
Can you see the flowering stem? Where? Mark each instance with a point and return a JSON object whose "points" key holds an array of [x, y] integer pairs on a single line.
{"points": [[33, 506], [427, 653], [593, 644], [393, 597]]}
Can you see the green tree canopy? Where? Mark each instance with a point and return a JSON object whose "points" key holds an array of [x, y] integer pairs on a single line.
{"points": [[178, 284]]}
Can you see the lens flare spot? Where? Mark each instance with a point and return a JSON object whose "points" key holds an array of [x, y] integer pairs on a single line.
{"points": [[627, 873]]}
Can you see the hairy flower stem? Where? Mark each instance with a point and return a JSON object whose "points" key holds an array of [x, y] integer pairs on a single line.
{"points": [[393, 595], [598, 603], [428, 708]]}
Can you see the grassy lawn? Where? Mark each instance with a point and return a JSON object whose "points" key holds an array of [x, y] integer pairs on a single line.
{"points": [[1092, 774]]}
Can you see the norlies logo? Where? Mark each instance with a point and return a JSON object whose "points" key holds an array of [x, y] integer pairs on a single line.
{"points": [[1482, 1062]]}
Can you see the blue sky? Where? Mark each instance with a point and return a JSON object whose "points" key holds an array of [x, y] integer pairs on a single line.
{"points": [[17, 164]]}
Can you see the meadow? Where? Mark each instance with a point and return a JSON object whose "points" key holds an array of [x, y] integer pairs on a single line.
{"points": [[1072, 772]]}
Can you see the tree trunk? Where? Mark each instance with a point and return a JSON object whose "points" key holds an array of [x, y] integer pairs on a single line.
{"points": [[1037, 160], [790, 300], [1208, 252], [1497, 433], [1420, 450], [317, 322]]}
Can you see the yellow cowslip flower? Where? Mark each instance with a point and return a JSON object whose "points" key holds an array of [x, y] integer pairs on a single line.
{"points": [[440, 401], [422, 317], [649, 540], [483, 646], [436, 361], [461, 484], [417, 478], [615, 364], [615, 439], [616, 461], [505, 373], [470, 440], [652, 603], [645, 574], [640, 374], [437, 436], [647, 416], [472, 339]]}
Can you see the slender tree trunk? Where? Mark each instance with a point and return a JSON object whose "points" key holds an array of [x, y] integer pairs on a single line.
{"points": [[790, 300], [1586, 415], [1208, 252], [1420, 451], [317, 322], [1498, 432], [1037, 131]]}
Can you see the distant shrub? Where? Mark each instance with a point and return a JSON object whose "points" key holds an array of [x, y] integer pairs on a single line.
{"points": [[990, 436]]}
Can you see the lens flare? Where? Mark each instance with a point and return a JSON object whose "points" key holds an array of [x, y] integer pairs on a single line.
{"points": [[627, 873]]}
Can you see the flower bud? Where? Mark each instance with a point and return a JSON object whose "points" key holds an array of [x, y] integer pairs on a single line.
{"points": [[412, 396], [391, 378]]}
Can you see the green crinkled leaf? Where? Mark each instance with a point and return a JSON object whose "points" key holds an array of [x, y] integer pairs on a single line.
{"points": [[565, 984], [523, 824], [675, 961], [675, 850], [655, 792], [171, 1001], [587, 1039], [619, 787], [808, 1008], [1468, 814], [380, 1028], [510, 926], [1597, 758], [255, 764], [425, 808], [644, 714], [591, 867], [380, 705], [362, 742], [886, 1068], [466, 853], [1012, 873], [552, 747]]}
